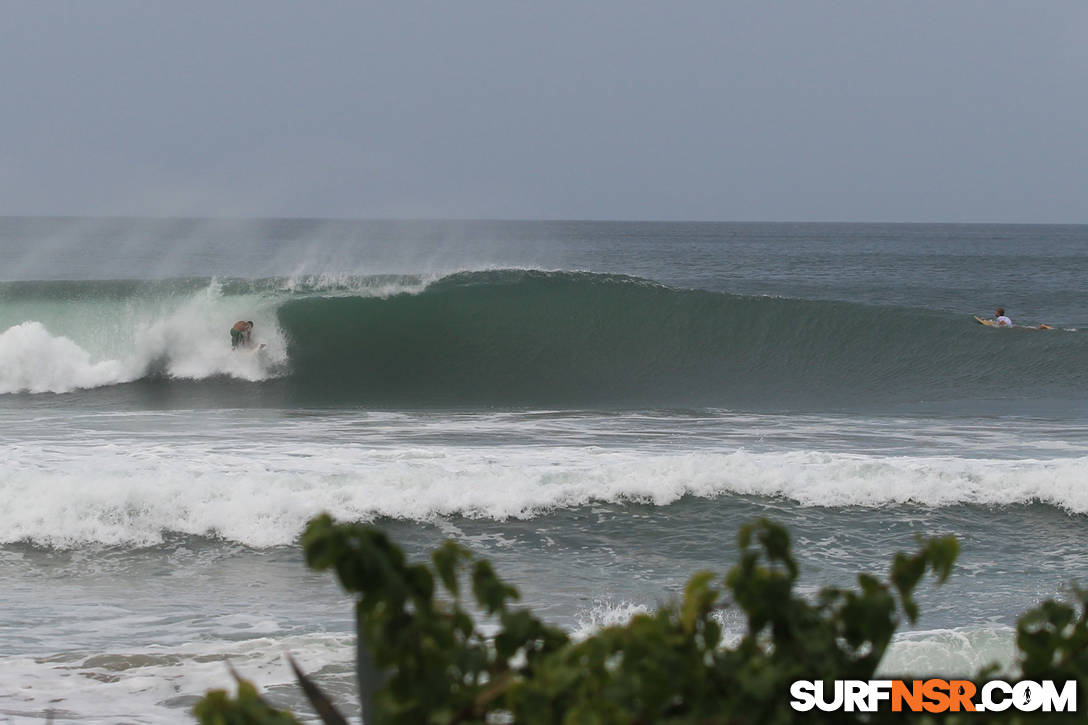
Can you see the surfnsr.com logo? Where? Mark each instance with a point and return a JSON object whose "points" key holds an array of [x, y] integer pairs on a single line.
{"points": [[933, 695]]}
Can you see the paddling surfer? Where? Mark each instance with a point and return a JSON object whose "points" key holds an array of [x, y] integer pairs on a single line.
{"points": [[1002, 320]]}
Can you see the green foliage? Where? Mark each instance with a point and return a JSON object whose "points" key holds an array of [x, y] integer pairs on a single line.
{"points": [[1053, 641], [440, 667], [422, 657], [217, 708]]}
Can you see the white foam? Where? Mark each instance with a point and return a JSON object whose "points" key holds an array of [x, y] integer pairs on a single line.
{"points": [[182, 338], [157, 684], [606, 613], [34, 361], [959, 652], [133, 490]]}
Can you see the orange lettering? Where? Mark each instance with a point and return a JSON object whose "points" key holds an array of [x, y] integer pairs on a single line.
{"points": [[912, 695], [937, 692], [961, 692]]}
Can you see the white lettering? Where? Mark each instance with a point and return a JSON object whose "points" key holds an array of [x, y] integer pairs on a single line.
{"points": [[856, 696], [1027, 696], [802, 692], [879, 690], [1066, 701], [834, 704], [993, 696], [992, 704]]}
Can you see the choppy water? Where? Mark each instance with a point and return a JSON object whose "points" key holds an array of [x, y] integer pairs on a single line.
{"points": [[595, 406]]}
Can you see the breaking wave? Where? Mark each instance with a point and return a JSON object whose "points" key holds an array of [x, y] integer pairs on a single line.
{"points": [[520, 337], [103, 495]]}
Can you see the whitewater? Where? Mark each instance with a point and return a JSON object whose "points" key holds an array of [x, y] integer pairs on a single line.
{"points": [[72, 493], [596, 407]]}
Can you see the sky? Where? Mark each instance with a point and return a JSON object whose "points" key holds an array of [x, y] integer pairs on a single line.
{"points": [[805, 110]]}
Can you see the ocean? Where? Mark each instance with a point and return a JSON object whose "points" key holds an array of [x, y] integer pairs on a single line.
{"points": [[594, 406]]}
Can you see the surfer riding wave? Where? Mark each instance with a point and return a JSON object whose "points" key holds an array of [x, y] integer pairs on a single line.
{"points": [[241, 334]]}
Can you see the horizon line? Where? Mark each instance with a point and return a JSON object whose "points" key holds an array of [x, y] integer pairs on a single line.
{"points": [[549, 220]]}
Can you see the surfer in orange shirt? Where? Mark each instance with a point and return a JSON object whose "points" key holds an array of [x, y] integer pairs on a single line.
{"points": [[241, 333]]}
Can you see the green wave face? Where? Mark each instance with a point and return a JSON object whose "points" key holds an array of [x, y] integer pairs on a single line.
{"points": [[561, 339], [517, 338]]}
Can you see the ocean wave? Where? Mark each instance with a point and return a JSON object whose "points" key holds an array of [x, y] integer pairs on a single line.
{"points": [[70, 496], [517, 337], [523, 338]]}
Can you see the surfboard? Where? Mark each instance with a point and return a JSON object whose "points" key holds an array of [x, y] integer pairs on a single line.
{"points": [[988, 323]]}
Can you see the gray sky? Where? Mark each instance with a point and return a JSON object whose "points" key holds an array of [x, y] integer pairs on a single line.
{"points": [[849, 111]]}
